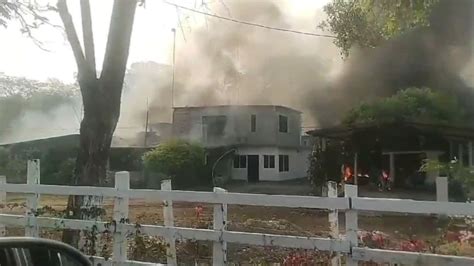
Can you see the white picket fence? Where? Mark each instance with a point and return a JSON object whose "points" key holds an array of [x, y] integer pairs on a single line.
{"points": [[219, 235]]}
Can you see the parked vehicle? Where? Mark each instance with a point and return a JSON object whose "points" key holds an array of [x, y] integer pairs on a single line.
{"points": [[27, 251]]}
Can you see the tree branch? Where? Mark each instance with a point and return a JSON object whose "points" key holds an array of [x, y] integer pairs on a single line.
{"points": [[72, 36], [88, 34]]}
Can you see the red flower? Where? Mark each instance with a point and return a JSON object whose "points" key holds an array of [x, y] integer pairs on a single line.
{"points": [[198, 209], [453, 236], [413, 246]]}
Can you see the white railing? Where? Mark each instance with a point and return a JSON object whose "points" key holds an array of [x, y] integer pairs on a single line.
{"points": [[219, 235]]}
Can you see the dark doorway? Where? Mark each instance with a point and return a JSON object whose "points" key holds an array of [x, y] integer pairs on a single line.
{"points": [[252, 168]]}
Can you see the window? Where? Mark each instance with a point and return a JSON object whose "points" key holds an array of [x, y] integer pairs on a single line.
{"points": [[213, 126], [283, 124], [268, 161], [253, 123], [283, 163], [240, 161]]}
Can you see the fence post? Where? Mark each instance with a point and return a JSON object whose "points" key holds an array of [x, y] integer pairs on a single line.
{"points": [[219, 251], [3, 201], [168, 218], [334, 221], [122, 184], [32, 178], [350, 191], [442, 189]]}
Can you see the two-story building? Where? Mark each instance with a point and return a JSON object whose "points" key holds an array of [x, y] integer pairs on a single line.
{"points": [[255, 142]]}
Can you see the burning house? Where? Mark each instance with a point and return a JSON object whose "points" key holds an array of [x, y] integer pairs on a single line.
{"points": [[397, 150], [248, 142]]}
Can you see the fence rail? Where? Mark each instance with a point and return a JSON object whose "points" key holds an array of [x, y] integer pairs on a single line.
{"points": [[307, 202], [219, 235], [187, 196]]}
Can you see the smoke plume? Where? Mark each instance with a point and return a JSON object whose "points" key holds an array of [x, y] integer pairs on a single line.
{"points": [[228, 63], [435, 56]]}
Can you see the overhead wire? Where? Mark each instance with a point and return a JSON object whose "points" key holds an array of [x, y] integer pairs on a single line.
{"points": [[250, 23]]}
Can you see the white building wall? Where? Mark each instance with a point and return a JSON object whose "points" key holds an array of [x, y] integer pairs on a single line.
{"points": [[239, 173], [298, 163]]}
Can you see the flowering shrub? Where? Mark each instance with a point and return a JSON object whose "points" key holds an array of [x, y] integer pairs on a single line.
{"points": [[413, 245], [198, 209], [374, 239], [298, 258], [466, 236]]}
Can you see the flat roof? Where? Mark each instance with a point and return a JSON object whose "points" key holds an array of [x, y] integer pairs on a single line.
{"points": [[117, 142], [238, 106], [344, 131], [49, 138]]}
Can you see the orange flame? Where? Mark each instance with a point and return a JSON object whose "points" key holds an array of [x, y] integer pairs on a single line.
{"points": [[347, 174], [385, 175]]}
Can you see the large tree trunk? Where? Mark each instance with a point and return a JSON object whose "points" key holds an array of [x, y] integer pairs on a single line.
{"points": [[97, 127], [101, 96]]}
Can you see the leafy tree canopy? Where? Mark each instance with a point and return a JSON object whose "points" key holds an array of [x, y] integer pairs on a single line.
{"points": [[18, 95], [179, 160], [412, 104], [367, 23]]}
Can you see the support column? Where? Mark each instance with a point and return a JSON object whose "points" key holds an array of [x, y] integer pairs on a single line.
{"points": [[432, 175], [469, 146], [3, 202], [442, 189], [356, 170], [451, 150], [392, 166]]}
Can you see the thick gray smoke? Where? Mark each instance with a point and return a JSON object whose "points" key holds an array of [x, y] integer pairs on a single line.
{"points": [[434, 56], [227, 63]]}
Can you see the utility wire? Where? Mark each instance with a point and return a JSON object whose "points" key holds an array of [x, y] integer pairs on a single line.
{"points": [[250, 23]]}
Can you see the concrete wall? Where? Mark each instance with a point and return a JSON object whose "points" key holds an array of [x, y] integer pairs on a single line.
{"points": [[298, 163], [187, 124]]}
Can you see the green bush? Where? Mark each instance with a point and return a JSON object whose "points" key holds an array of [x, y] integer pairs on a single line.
{"points": [[179, 160], [57, 165], [412, 104], [13, 168], [461, 178]]}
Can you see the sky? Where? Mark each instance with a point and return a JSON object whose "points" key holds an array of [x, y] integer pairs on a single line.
{"points": [[152, 37], [152, 40]]}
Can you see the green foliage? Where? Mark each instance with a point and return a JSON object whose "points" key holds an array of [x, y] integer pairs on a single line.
{"points": [[126, 159], [179, 160], [325, 165], [19, 95], [367, 23], [57, 165], [461, 178], [412, 104], [60, 173], [13, 168]]}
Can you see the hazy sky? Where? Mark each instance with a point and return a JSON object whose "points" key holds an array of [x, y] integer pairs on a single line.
{"points": [[151, 39]]}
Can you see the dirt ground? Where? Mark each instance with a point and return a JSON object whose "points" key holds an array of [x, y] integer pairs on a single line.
{"points": [[303, 187], [303, 222]]}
